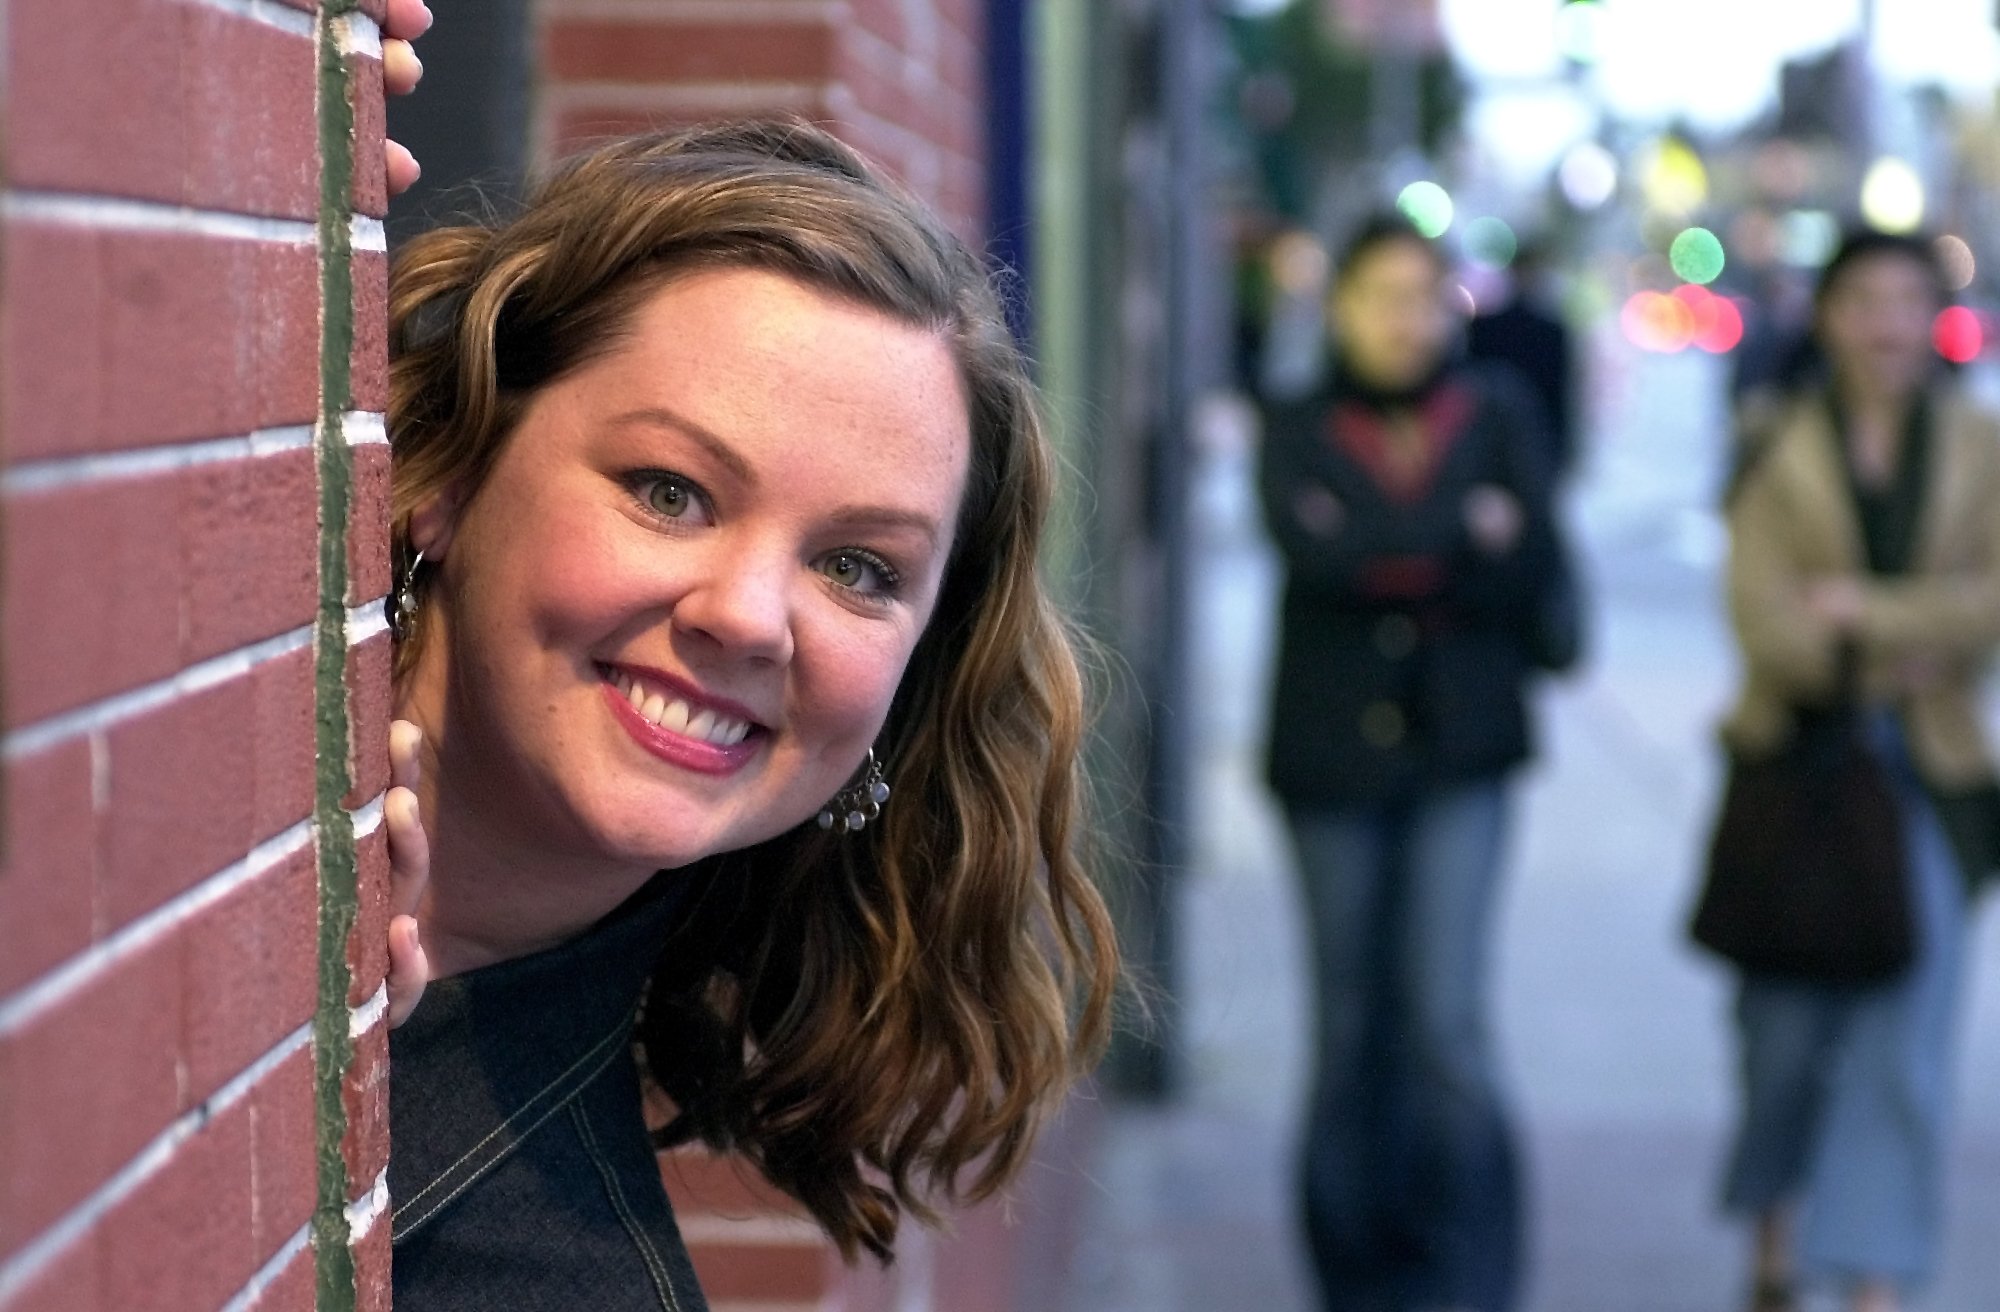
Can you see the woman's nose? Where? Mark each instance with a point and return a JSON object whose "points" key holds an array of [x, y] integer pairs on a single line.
{"points": [[741, 601]]}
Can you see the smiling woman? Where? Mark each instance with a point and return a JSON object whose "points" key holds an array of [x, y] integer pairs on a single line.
{"points": [[718, 485]]}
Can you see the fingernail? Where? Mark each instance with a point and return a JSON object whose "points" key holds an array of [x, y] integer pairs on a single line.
{"points": [[416, 937], [428, 20]]}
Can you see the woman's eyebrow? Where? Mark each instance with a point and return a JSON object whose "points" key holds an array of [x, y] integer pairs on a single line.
{"points": [[886, 517], [660, 417]]}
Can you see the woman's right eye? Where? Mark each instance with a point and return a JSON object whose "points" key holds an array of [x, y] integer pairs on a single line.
{"points": [[665, 495], [670, 497]]}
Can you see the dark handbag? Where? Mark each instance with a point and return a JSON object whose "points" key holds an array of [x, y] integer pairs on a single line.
{"points": [[1806, 871]]}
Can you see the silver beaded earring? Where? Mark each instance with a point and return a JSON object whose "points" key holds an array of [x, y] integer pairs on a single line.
{"points": [[403, 606], [861, 801]]}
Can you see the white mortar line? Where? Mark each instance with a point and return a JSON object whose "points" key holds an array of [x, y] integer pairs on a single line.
{"points": [[364, 427], [368, 620], [367, 816], [358, 34], [369, 1014], [152, 216], [69, 471], [27, 1263], [367, 234], [268, 12], [129, 940], [103, 714], [364, 1211], [267, 1275]]}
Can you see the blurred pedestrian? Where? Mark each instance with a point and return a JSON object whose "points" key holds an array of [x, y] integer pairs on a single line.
{"points": [[1527, 334], [1410, 499], [1865, 567]]}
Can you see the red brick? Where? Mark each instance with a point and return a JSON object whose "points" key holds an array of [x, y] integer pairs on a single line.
{"points": [[368, 670], [249, 534], [84, 1086], [86, 622], [756, 1272], [886, 19], [69, 1283], [365, 1094], [368, 946], [250, 973], [371, 1269], [124, 339], [703, 1182], [368, 524], [293, 1290], [369, 385], [54, 337], [369, 192], [168, 826], [286, 315], [177, 342], [284, 748], [48, 883], [252, 135], [658, 52], [285, 1152], [196, 1209], [127, 101]]}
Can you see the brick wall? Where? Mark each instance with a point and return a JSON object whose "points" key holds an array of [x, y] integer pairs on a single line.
{"points": [[900, 79], [193, 659]]}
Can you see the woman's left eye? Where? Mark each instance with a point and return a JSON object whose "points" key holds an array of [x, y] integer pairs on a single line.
{"points": [[861, 571]]}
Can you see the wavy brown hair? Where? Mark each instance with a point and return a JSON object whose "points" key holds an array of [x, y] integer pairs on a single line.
{"points": [[881, 1021]]}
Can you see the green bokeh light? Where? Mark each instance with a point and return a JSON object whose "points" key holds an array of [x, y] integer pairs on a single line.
{"points": [[1427, 206], [1696, 256], [1491, 242]]}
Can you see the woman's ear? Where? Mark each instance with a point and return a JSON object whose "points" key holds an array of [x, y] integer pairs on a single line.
{"points": [[431, 525]]}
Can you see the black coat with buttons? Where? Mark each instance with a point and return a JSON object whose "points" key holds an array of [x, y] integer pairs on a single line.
{"points": [[1405, 647]]}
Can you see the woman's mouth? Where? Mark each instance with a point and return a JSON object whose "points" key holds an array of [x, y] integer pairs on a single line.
{"points": [[678, 726]]}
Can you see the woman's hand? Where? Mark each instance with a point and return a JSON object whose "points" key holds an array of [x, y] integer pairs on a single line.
{"points": [[1837, 602], [1494, 517], [401, 70], [409, 871]]}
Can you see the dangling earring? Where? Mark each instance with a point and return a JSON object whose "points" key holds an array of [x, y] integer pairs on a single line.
{"points": [[858, 803], [403, 606]]}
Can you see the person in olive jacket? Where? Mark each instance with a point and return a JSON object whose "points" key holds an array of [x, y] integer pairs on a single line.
{"points": [[1410, 500]]}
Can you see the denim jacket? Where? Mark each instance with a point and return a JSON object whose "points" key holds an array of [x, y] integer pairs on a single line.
{"points": [[521, 1174]]}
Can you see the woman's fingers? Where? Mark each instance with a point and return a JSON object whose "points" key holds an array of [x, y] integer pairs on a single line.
{"points": [[409, 969], [401, 69], [407, 19], [409, 870], [406, 740]]}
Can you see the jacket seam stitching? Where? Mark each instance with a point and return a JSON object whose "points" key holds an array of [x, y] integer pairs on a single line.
{"points": [[610, 1049], [655, 1267]]}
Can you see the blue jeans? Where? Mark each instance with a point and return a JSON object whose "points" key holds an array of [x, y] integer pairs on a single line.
{"points": [[1846, 1090], [1411, 1188]]}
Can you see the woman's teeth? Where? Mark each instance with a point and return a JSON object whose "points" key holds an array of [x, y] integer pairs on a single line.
{"points": [[676, 716]]}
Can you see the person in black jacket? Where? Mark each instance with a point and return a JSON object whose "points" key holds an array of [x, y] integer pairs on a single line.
{"points": [[1410, 499]]}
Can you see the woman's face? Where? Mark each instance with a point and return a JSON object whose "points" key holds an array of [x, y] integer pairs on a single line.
{"points": [[671, 621], [1389, 315], [1875, 323]]}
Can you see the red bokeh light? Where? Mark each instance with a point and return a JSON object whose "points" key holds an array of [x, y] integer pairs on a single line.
{"points": [[1718, 323], [1957, 334], [1655, 321]]}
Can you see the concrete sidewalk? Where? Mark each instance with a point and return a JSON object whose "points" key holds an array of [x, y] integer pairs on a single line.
{"points": [[1614, 1032]]}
